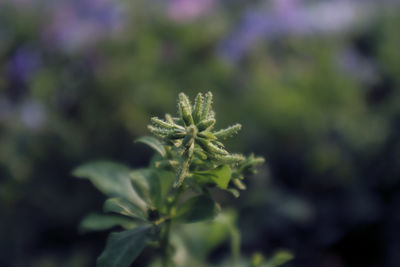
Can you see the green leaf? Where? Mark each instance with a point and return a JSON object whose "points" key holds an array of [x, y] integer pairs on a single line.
{"points": [[219, 176], [100, 222], [203, 237], [112, 179], [198, 208], [279, 258], [124, 247], [152, 185], [166, 180], [124, 207], [256, 260], [140, 182], [153, 143]]}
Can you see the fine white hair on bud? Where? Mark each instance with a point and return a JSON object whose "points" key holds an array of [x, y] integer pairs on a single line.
{"points": [[160, 123], [228, 132], [192, 134], [206, 106], [197, 108], [185, 109], [205, 124]]}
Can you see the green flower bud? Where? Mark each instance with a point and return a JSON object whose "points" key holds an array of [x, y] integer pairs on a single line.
{"points": [[187, 141], [185, 109], [160, 123], [199, 153], [186, 115], [198, 103], [207, 135], [166, 133], [184, 100], [230, 159], [228, 132], [239, 184], [169, 118], [205, 124], [206, 106], [211, 148], [161, 132]]}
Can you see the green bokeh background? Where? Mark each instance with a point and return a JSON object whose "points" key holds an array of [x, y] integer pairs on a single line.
{"points": [[330, 189]]}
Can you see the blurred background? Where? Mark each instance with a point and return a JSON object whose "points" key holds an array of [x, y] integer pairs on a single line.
{"points": [[316, 85]]}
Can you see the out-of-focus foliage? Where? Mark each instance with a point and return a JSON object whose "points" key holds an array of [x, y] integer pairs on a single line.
{"points": [[80, 79]]}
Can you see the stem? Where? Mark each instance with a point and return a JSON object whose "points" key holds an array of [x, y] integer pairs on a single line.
{"points": [[235, 245], [188, 145], [164, 242], [177, 188]]}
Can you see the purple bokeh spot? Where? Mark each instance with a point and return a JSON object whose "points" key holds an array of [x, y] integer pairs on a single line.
{"points": [[76, 24], [288, 17], [187, 10], [23, 64]]}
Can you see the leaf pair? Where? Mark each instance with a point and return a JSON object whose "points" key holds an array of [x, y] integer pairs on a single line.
{"points": [[132, 193], [112, 179], [131, 196]]}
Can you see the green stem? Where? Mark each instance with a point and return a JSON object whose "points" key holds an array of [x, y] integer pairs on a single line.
{"points": [[165, 248], [164, 242], [235, 245]]}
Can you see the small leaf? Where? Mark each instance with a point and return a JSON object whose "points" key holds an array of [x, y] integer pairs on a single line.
{"points": [[257, 260], [234, 192], [124, 247], [198, 208], [220, 176], [239, 184], [124, 207], [112, 179], [100, 222], [279, 258], [153, 143]]}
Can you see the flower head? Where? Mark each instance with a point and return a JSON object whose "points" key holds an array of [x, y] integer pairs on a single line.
{"points": [[192, 132]]}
